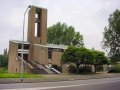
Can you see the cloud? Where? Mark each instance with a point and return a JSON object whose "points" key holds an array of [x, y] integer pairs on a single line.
{"points": [[89, 17]]}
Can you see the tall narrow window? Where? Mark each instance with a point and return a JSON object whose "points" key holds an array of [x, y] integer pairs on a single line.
{"points": [[36, 15], [36, 29], [49, 53], [37, 25]]}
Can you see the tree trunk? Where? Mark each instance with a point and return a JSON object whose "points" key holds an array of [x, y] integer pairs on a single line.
{"points": [[77, 67], [95, 68]]}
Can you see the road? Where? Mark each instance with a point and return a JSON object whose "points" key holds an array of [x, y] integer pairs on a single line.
{"points": [[92, 84]]}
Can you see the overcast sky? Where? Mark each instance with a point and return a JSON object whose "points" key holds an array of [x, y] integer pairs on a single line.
{"points": [[89, 17]]}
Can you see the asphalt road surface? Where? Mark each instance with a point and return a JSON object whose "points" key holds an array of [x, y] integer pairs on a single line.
{"points": [[92, 84]]}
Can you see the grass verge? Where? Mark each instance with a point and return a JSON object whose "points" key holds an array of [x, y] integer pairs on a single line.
{"points": [[5, 74]]}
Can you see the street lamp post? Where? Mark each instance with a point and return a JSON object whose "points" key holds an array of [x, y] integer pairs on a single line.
{"points": [[23, 43]]}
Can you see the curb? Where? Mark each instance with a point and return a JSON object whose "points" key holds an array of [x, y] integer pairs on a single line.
{"points": [[9, 81]]}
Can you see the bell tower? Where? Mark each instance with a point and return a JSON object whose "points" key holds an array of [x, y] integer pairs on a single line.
{"points": [[37, 28]]}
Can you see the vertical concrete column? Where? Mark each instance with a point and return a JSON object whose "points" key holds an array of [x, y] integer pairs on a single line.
{"points": [[31, 25], [31, 31], [43, 26]]}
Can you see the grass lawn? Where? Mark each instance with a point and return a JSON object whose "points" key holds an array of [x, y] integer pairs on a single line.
{"points": [[5, 74]]}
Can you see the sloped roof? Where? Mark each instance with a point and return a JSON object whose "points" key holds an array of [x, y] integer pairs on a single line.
{"points": [[17, 41], [48, 45], [53, 46]]}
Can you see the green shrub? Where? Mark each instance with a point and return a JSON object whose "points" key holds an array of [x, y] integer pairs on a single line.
{"points": [[114, 69], [3, 60], [3, 70], [72, 68], [57, 67], [85, 69]]}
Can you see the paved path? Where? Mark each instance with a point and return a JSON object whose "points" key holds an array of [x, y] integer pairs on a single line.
{"points": [[92, 84]]}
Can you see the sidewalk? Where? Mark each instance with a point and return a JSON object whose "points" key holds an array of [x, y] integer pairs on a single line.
{"points": [[56, 77]]}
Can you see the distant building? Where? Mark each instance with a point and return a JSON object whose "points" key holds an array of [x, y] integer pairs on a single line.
{"points": [[38, 55]]}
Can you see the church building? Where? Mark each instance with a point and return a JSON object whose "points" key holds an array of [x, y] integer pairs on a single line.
{"points": [[38, 55]]}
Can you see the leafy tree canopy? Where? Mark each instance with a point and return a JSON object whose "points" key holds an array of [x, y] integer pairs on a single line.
{"points": [[81, 55], [4, 59], [62, 34], [111, 39], [100, 58]]}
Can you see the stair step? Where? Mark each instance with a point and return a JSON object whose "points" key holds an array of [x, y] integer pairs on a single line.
{"points": [[40, 69]]}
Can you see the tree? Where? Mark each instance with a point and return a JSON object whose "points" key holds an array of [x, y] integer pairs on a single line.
{"points": [[84, 56], [63, 34], [70, 56], [77, 40], [4, 59], [77, 55], [99, 58], [0, 60], [111, 39]]}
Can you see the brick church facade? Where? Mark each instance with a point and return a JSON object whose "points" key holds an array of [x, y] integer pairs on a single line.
{"points": [[38, 55]]}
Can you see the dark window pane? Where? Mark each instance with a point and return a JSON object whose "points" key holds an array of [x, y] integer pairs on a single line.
{"points": [[49, 54], [26, 46]]}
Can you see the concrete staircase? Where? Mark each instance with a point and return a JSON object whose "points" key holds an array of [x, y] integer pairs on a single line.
{"points": [[48, 71], [37, 68], [25, 62]]}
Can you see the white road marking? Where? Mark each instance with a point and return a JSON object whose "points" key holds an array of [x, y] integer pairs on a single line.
{"points": [[53, 87]]}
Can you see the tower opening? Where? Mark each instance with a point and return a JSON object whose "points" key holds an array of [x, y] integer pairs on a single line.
{"points": [[37, 25]]}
